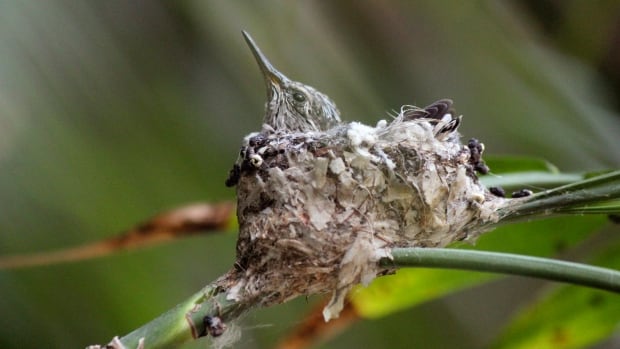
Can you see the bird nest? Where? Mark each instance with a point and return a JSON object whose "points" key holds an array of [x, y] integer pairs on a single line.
{"points": [[318, 210]]}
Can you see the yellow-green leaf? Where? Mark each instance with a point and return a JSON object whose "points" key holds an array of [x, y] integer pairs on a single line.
{"points": [[568, 317]]}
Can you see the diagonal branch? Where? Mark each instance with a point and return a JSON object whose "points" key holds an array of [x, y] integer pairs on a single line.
{"points": [[198, 218], [313, 329]]}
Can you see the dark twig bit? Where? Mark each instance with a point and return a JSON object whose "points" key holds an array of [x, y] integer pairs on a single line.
{"points": [[214, 326], [233, 176], [498, 191], [521, 193], [476, 148], [614, 218]]}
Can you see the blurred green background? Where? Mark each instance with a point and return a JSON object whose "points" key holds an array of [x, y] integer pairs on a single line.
{"points": [[111, 111]]}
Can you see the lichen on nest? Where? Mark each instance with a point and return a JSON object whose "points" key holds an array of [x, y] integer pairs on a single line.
{"points": [[318, 210]]}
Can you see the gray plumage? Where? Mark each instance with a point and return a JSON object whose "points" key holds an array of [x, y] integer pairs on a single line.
{"points": [[293, 106]]}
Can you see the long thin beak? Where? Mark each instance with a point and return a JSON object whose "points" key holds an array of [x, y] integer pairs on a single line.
{"points": [[272, 76]]}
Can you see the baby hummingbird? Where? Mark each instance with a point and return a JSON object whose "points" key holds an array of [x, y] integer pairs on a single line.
{"points": [[293, 106]]}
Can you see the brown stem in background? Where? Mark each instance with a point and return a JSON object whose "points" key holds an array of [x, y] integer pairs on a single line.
{"points": [[198, 218], [314, 329]]}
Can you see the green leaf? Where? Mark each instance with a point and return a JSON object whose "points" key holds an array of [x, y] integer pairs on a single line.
{"points": [[568, 317], [508, 164], [529, 179], [409, 287], [516, 172]]}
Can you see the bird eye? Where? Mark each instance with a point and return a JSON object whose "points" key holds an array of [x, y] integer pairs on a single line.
{"points": [[299, 97]]}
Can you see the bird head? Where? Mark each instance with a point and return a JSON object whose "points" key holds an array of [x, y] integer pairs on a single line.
{"points": [[293, 106]]}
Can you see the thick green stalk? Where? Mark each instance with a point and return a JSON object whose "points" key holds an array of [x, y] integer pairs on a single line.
{"points": [[505, 263], [184, 322]]}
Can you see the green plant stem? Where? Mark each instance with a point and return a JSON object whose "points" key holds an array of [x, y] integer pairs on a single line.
{"points": [[185, 321], [570, 198], [545, 268]]}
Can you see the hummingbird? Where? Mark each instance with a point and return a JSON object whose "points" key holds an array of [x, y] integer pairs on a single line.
{"points": [[293, 106]]}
